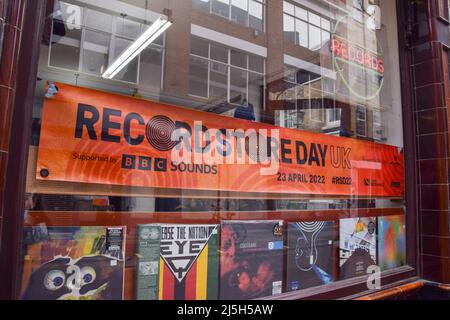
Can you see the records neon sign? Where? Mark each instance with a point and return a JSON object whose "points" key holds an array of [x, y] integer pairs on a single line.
{"points": [[349, 56], [355, 54]]}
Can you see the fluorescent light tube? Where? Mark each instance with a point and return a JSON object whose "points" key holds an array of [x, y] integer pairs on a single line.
{"points": [[150, 35]]}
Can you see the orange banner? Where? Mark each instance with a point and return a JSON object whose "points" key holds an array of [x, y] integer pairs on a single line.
{"points": [[95, 137]]}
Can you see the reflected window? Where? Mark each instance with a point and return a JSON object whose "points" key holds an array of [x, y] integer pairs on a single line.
{"points": [[92, 41], [225, 75], [305, 28], [249, 13], [361, 121]]}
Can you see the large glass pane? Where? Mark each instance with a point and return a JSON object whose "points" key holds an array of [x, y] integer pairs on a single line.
{"points": [[238, 58], [203, 5], [256, 15], [150, 68], [198, 77], [218, 86], [239, 11], [127, 28], [301, 13], [314, 19], [288, 8], [256, 63], [315, 40], [98, 20], [95, 52], [221, 8], [129, 72], [199, 47], [301, 29], [289, 28], [256, 92], [219, 53], [238, 85], [65, 46]]}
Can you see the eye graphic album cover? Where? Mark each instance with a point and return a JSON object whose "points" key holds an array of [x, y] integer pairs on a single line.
{"points": [[310, 254], [357, 246], [251, 259], [391, 242], [177, 262], [73, 263]]}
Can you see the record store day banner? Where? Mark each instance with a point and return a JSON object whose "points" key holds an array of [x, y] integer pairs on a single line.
{"points": [[89, 136]]}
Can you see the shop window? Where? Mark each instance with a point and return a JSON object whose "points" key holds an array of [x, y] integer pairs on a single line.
{"points": [[282, 198], [249, 13], [305, 28]]}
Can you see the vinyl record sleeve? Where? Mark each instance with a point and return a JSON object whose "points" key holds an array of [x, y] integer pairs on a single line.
{"points": [[251, 260], [73, 263], [178, 262], [391, 242], [309, 255], [357, 246]]}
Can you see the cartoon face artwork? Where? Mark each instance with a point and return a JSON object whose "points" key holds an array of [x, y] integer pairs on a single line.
{"points": [[87, 278]]}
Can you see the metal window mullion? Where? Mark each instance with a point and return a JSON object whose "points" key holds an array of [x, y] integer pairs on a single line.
{"points": [[229, 75], [82, 39], [248, 13], [208, 93], [51, 45], [163, 67]]}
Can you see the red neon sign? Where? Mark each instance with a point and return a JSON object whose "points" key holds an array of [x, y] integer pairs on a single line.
{"points": [[358, 55]]}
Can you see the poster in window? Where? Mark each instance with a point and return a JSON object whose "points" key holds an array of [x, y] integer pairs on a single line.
{"points": [[73, 263], [251, 259], [310, 254], [94, 137], [391, 242], [178, 262], [357, 246]]}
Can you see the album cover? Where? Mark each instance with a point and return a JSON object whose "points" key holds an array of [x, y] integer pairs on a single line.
{"points": [[357, 246], [251, 259], [147, 263], [309, 255], [73, 263], [391, 242], [178, 262]]}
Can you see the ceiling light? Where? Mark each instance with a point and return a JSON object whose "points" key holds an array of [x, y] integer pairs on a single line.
{"points": [[150, 35]]}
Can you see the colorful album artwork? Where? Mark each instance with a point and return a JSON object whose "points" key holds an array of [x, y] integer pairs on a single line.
{"points": [[310, 254], [251, 259], [357, 246], [391, 242], [178, 262], [73, 263]]}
